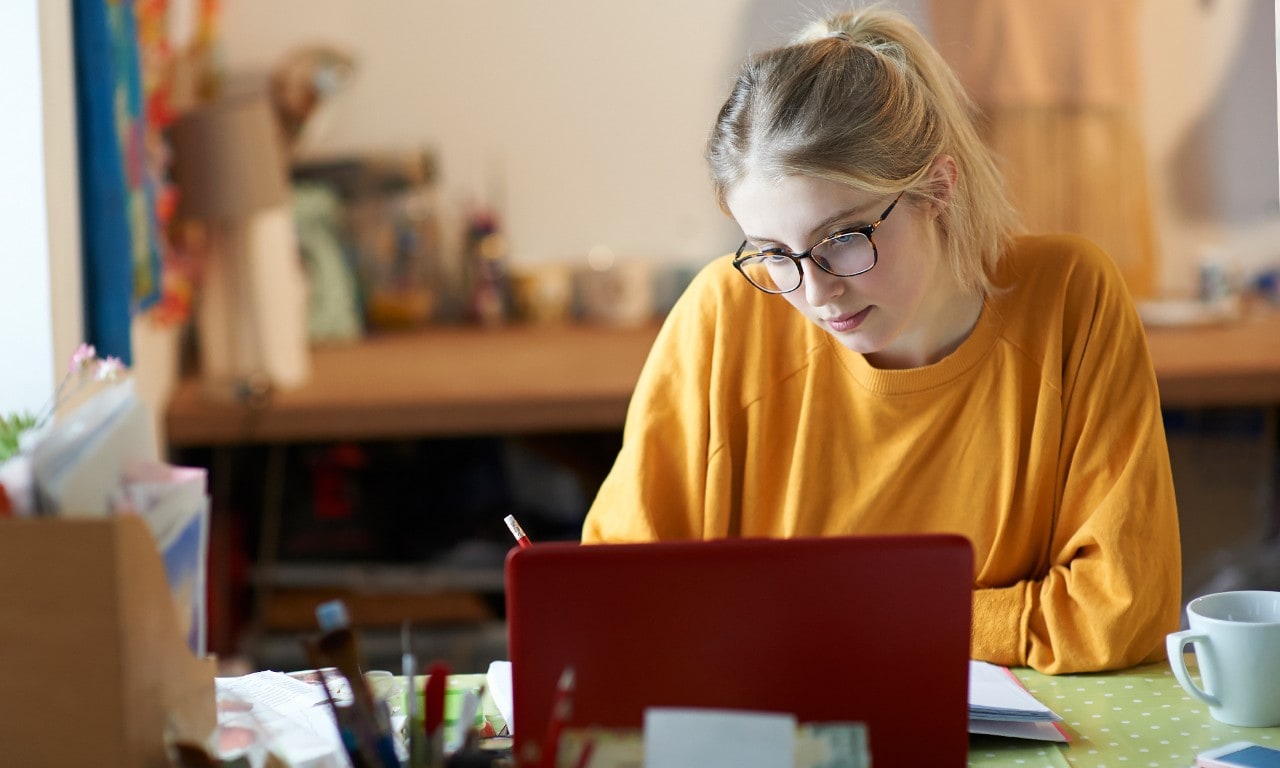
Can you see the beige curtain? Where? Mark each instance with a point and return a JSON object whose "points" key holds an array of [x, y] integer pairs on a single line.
{"points": [[1059, 83]]}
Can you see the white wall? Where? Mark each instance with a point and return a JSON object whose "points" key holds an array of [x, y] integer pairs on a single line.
{"points": [[40, 306], [587, 118], [1210, 116], [593, 115]]}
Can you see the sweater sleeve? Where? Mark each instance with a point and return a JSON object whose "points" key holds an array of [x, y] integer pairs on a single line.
{"points": [[657, 487], [1111, 588]]}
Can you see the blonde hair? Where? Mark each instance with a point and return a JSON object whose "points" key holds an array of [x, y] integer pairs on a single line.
{"points": [[863, 99]]}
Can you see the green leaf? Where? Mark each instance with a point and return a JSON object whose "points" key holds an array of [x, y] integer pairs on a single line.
{"points": [[10, 428]]}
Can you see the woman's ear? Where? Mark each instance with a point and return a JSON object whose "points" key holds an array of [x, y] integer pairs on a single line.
{"points": [[942, 182]]}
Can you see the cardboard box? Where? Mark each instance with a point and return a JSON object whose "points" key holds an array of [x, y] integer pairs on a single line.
{"points": [[93, 667]]}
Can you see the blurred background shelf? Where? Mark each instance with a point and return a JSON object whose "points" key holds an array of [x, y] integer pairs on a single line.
{"points": [[463, 380], [1232, 363], [448, 380]]}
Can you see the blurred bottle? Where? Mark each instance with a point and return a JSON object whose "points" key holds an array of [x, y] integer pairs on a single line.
{"points": [[485, 254], [396, 225]]}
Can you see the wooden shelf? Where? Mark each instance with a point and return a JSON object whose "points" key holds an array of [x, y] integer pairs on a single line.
{"points": [[530, 379], [436, 382], [1228, 364]]}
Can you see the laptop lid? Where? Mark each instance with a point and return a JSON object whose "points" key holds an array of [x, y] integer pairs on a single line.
{"points": [[871, 628]]}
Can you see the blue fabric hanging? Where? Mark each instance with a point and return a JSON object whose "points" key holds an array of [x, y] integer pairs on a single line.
{"points": [[121, 257]]}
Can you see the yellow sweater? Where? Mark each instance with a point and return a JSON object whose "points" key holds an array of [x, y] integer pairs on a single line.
{"points": [[1040, 439]]}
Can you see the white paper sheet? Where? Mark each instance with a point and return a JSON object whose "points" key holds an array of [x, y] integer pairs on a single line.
{"points": [[498, 681], [294, 715], [78, 460], [994, 694], [716, 738], [1000, 706], [174, 501], [1015, 729]]}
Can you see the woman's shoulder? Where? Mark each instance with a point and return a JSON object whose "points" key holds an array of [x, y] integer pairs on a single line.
{"points": [[1053, 291], [1062, 255], [1065, 270]]}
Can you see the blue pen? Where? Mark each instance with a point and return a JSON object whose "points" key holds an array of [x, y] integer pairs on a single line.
{"points": [[339, 644]]}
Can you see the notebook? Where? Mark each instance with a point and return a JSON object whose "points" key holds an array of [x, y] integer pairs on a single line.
{"points": [[872, 629]]}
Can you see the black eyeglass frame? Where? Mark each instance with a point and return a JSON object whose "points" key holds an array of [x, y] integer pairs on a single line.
{"points": [[866, 230]]}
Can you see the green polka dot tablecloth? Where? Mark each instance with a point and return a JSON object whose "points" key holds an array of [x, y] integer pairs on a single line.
{"points": [[1136, 718]]}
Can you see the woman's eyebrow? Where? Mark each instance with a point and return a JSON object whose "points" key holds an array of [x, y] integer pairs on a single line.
{"points": [[825, 223]]}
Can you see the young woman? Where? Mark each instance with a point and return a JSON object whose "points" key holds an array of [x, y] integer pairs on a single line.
{"points": [[884, 355]]}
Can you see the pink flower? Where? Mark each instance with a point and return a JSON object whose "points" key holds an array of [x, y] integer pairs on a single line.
{"points": [[108, 369], [84, 355]]}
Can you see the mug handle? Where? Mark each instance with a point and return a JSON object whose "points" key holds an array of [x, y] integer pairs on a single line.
{"points": [[1174, 644]]}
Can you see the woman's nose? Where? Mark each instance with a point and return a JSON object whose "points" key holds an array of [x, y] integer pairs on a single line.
{"points": [[820, 286]]}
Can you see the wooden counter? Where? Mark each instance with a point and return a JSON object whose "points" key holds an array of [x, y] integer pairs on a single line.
{"points": [[440, 381], [458, 380], [1234, 363]]}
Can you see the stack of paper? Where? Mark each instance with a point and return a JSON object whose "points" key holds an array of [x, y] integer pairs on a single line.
{"points": [[287, 717], [1000, 706], [101, 458]]}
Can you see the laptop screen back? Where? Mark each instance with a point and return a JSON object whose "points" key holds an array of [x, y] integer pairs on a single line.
{"points": [[872, 629]]}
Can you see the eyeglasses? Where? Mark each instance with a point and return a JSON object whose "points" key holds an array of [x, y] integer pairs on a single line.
{"points": [[847, 253]]}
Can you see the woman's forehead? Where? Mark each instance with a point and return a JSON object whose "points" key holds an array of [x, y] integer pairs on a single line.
{"points": [[792, 206]]}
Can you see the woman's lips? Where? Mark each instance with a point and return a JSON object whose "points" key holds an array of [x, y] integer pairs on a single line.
{"points": [[846, 323]]}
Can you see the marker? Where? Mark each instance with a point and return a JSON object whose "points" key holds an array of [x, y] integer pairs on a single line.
{"points": [[433, 696], [521, 538]]}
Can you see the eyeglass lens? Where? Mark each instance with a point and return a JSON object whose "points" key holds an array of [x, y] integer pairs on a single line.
{"points": [[846, 255]]}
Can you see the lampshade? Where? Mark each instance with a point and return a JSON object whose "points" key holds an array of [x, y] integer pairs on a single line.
{"points": [[231, 175], [228, 161]]}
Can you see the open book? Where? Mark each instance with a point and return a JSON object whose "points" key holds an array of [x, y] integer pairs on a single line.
{"points": [[999, 705]]}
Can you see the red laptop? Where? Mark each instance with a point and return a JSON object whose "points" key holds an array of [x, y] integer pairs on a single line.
{"points": [[872, 629]]}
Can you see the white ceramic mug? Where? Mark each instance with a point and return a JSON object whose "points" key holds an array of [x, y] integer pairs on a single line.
{"points": [[1236, 639]]}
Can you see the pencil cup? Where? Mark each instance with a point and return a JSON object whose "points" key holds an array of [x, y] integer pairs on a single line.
{"points": [[384, 686], [454, 694], [1236, 639], [455, 691]]}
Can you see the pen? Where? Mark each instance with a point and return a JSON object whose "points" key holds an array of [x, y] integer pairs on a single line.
{"points": [[584, 757], [409, 668], [521, 538], [561, 711]]}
